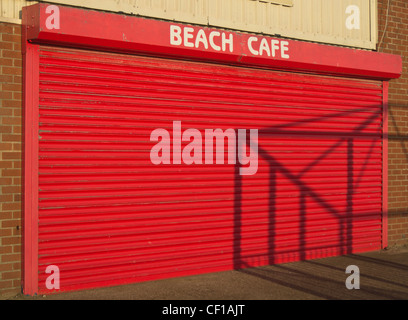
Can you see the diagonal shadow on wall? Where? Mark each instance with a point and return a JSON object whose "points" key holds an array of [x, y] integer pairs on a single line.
{"points": [[305, 191]]}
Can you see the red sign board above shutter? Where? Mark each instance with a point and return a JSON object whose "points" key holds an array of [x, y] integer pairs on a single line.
{"points": [[93, 29]]}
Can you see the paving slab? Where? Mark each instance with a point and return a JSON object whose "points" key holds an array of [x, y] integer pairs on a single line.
{"points": [[383, 276]]}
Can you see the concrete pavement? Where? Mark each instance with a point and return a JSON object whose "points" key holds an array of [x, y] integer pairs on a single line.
{"points": [[383, 276]]}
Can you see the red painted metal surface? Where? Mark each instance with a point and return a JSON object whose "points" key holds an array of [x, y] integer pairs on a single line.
{"points": [[385, 165], [108, 216], [30, 218], [108, 31]]}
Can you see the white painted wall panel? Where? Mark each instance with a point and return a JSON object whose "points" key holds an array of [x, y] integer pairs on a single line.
{"points": [[313, 20]]}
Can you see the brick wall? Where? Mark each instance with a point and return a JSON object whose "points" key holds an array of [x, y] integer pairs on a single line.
{"points": [[395, 41], [10, 158]]}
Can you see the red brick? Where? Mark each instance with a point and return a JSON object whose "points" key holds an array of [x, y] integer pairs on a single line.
{"points": [[5, 233], [11, 172], [10, 275], [6, 45], [5, 181], [10, 241], [17, 96], [11, 137], [6, 78], [17, 129], [17, 113], [17, 282], [11, 37], [10, 206], [6, 129], [6, 95], [17, 46], [11, 120], [17, 79], [12, 87], [11, 70], [6, 28], [11, 189], [6, 112], [11, 155], [6, 146], [11, 54], [4, 215], [6, 62], [5, 284], [6, 198], [16, 265], [17, 164]]}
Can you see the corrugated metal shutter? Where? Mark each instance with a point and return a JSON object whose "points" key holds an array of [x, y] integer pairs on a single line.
{"points": [[108, 216]]}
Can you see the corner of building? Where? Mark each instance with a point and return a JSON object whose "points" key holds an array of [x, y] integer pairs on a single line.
{"points": [[393, 39], [11, 159]]}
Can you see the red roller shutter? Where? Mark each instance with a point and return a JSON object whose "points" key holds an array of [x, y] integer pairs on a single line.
{"points": [[108, 216]]}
